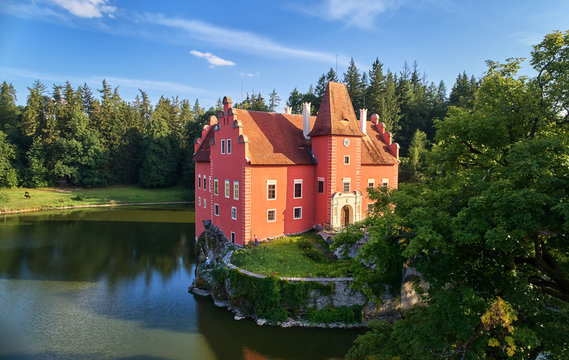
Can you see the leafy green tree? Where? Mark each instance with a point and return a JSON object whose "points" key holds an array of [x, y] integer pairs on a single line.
{"points": [[412, 167], [8, 175], [488, 230], [160, 151]]}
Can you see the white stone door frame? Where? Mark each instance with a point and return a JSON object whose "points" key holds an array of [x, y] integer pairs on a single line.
{"points": [[339, 200]]}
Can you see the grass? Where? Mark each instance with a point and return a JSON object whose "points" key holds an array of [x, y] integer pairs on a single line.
{"points": [[284, 257], [13, 200]]}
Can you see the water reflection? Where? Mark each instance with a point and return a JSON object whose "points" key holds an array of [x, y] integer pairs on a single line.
{"points": [[113, 284]]}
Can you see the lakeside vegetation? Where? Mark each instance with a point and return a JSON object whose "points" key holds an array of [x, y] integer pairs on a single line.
{"points": [[14, 200], [302, 255]]}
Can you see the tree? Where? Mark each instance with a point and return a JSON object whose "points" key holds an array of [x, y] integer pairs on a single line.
{"points": [[274, 101], [376, 88], [8, 175], [9, 111], [463, 91], [355, 85], [295, 101], [488, 229]]}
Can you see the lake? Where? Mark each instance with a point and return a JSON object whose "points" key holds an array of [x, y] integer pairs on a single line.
{"points": [[113, 283]]}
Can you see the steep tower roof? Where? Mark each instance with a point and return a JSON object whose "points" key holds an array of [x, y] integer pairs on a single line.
{"points": [[336, 115]]}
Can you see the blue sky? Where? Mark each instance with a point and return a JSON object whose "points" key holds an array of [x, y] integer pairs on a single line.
{"points": [[209, 49]]}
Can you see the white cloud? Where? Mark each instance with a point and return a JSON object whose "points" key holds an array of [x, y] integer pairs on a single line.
{"points": [[212, 59], [358, 13], [87, 8], [251, 75], [236, 39]]}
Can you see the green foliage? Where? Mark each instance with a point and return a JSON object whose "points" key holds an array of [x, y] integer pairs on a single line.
{"points": [[488, 227], [8, 176], [341, 314], [272, 298], [309, 250], [285, 258]]}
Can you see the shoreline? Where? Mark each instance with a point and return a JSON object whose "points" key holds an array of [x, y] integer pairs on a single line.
{"points": [[69, 207]]}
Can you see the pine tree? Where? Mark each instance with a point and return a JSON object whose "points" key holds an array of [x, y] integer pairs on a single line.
{"points": [[32, 116], [375, 90], [355, 85], [295, 101], [331, 76], [274, 101], [463, 91], [9, 111]]}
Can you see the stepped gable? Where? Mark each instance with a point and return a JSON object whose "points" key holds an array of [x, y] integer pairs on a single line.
{"points": [[202, 154], [336, 115], [374, 150], [275, 139]]}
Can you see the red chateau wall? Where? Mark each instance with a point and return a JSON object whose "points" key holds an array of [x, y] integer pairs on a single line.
{"points": [[252, 202]]}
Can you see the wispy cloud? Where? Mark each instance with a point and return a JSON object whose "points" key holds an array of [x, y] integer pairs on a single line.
{"points": [[356, 13], [87, 8], [527, 38], [235, 39], [212, 59], [251, 75], [164, 86]]}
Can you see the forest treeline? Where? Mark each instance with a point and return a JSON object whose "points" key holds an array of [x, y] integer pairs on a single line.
{"points": [[81, 137]]}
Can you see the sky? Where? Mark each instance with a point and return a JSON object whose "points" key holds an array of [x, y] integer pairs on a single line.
{"points": [[209, 49]]}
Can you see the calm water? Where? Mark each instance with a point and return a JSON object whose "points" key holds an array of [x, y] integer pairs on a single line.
{"points": [[112, 283]]}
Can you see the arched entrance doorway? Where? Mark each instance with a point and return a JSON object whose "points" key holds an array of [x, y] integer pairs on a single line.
{"points": [[346, 215]]}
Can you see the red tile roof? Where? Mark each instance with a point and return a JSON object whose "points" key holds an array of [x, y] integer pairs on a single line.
{"points": [[374, 149], [336, 115], [275, 139]]}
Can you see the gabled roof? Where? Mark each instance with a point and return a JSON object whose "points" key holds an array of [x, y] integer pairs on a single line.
{"points": [[336, 115], [275, 139], [202, 154], [374, 149]]}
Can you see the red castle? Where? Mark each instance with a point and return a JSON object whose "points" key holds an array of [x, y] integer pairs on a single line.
{"points": [[267, 174]]}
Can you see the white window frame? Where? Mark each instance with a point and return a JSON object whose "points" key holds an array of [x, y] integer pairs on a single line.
{"points": [[215, 186], [232, 237], [227, 189], [347, 158], [204, 204], [349, 182], [294, 213], [199, 201], [297, 182], [318, 185], [223, 146], [216, 209], [385, 183], [234, 213], [275, 217], [271, 182], [229, 146], [235, 190], [210, 184], [372, 182]]}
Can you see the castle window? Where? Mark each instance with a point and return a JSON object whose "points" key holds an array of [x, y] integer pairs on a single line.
{"points": [[210, 184], [204, 205], [385, 182], [215, 186], [297, 213], [369, 208], [370, 183], [199, 201], [321, 185], [346, 160], [297, 189], [232, 237], [271, 190], [346, 185], [271, 215], [234, 213], [236, 190], [227, 189], [229, 146], [216, 209], [199, 182], [223, 146]]}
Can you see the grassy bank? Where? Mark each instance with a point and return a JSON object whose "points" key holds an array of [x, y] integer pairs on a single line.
{"points": [[13, 200], [290, 256]]}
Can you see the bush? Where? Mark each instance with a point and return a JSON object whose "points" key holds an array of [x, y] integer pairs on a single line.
{"points": [[342, 314], [79, 197], [309, 250]]}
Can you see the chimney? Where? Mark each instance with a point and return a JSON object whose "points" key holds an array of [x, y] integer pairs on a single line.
{"points": [[306, 120], [288, 110], [363, 120]]}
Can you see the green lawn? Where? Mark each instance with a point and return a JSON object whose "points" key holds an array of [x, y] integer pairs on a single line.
{"points": [[50, 198], [284, 257]]}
